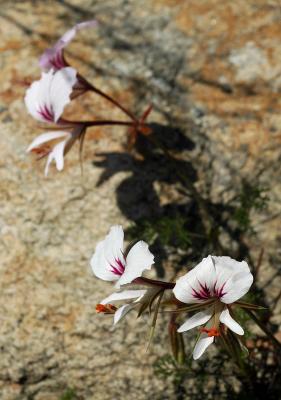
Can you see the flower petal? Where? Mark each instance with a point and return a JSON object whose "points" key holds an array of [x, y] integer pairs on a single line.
{"points": [[123, 295], [109, 255], [46, 98], [46, 137], [37, 96], [197, 319], [61, 88], [199, 280], [100, 265], [227, 320], [200, 347], [237, 287], [113, 244], [235, 276], [121, 312], [69, 35], [138, 259], [57, 155], [53, 57]]}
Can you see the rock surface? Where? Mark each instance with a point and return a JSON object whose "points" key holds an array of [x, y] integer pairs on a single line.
{"points": [[211, 69]]}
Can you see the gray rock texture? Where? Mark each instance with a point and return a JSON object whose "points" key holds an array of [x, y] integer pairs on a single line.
{"points": [[211, 69]]}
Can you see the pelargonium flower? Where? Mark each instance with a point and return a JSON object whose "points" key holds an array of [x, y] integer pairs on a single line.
{"points": [[106, 307], [46, 98], [111, 264], [216, 282], [55, 150], [53, 57]]}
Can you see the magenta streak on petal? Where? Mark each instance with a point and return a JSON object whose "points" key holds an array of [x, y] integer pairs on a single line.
{"points": [[200, 295], [218, 292], [205, 293], [118, 268], [205, 289], [58, 61], [47, 114]]}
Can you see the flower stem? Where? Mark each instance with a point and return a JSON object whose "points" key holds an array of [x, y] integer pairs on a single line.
{"points": [[153, 282], [107, 97], [107, 122]]}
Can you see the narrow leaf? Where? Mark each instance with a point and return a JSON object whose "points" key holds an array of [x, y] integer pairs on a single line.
{"points": [[152, 329], [249, 306], [194, 307]]}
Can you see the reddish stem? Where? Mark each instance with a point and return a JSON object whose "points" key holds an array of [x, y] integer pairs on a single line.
{"points": [[107, 122], [87, 124], [107, 97], [153, 282]]}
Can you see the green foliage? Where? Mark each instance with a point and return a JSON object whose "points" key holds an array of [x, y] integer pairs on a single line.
{"points": [[251, 198], [166, 366], [192, 378], [69, 394], [168, 230]]}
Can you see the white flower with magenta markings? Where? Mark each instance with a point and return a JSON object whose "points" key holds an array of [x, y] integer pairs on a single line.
{"points": [[46, 98], [45, 101], [47, 144], [216, 283], [111, 264], [53, 57], [106, 307]]}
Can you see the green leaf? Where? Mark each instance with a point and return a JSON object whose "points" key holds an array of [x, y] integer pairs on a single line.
{"points": [[194, 307], [152, 329], [249, 306]]}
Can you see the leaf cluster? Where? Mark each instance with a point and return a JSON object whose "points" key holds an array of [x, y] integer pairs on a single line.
{"points": [[252, 197]]}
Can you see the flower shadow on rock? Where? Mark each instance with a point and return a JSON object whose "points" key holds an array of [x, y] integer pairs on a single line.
{"points": [[137, 196]]}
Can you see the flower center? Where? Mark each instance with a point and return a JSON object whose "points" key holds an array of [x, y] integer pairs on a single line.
{"points": [[203, 292], [106, 308]]}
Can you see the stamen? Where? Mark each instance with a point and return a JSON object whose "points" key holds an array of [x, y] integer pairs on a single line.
{"points": [[41, 151], [105, 308], [211, 332]]}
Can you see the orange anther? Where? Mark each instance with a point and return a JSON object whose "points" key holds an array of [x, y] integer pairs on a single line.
{"points": [[144, 129], [211, 332], [105, 308]]}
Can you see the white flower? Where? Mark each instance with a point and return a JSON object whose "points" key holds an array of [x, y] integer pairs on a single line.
{"points": [[106, 306], [46, 98], [216, 282], [53, 57], [110, 264], [58, 150], [142, 297]]}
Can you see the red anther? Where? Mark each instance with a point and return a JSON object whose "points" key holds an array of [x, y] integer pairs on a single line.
{"points": [[105, 308], [144, 129], [41, 151], [211, 332]]}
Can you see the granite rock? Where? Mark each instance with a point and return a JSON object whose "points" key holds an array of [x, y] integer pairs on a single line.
{"points": [[213, 70]]}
